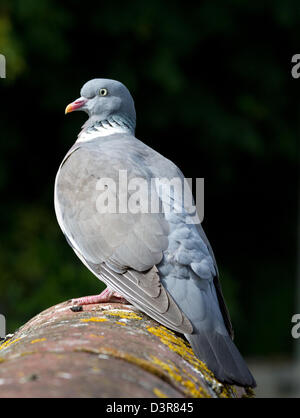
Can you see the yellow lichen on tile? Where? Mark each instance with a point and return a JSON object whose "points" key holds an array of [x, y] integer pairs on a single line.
{"points": [[38, 340], [93, 319], [168, 368], [8, 343], [166, 371], [124, 314], [120, 323], [196, 391], [159, 393], [249, 393], [191, 376], [144, 364], [27, 353], [226, 391], [189, 387], [179, 346]]}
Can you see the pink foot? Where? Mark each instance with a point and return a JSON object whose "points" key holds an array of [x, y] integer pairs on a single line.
{"points": [[108, 295]]}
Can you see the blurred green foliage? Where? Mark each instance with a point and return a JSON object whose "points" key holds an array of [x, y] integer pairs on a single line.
{"points": [[213, 92]]}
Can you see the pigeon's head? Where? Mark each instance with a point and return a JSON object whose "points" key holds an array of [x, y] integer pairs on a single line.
{"points": [[102, 98]]}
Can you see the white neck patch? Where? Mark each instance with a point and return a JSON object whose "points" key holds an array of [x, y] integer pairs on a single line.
{"points": [[106, 127]]}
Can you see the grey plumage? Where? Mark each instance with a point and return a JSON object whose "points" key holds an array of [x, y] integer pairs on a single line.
{"points": [[157, 261]]}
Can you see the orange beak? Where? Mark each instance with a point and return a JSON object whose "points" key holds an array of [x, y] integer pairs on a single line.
{"points": [[75, 105]]}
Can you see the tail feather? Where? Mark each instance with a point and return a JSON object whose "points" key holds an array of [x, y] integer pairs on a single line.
{"points": [[222, 357]]}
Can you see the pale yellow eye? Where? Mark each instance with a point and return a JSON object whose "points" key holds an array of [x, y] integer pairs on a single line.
{"points": [[103, 92]]}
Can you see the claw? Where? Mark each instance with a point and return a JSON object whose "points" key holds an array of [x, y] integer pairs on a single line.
{"points": [[108, 295]]}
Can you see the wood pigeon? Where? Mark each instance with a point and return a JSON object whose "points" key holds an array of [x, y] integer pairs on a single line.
{"points": [[156, 260]]}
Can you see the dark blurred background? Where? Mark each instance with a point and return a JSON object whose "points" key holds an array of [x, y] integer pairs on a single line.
{"points": [[214, 93]]}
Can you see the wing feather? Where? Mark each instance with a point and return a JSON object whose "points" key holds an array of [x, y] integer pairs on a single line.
{"points": [[160, 306]]}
